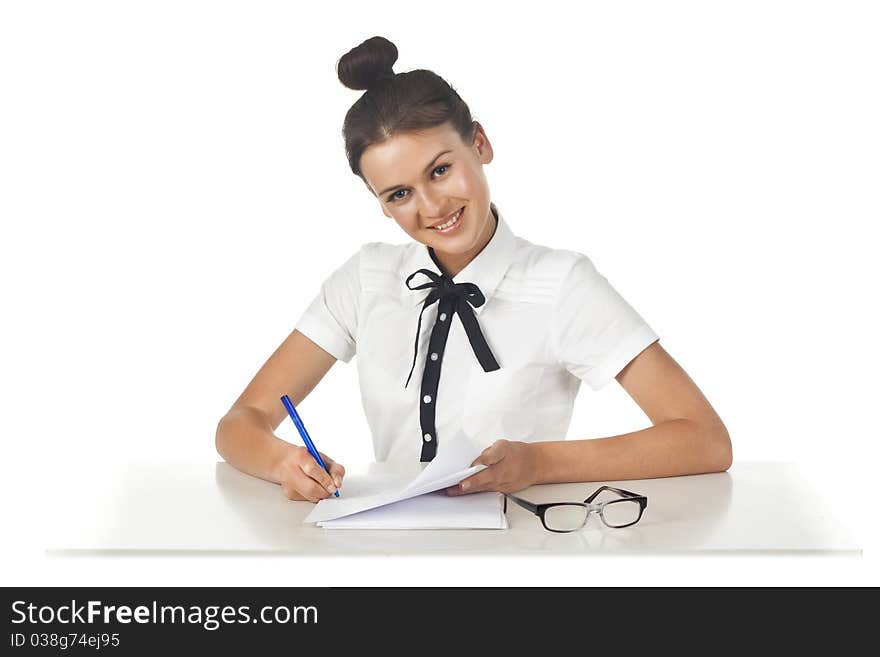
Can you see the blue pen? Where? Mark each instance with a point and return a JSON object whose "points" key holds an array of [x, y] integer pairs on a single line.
{"points": [[291, 411]]}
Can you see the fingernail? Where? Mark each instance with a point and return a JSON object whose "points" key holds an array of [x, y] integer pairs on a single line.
{"points": [[464, 485], [338, 483], [332, 489]]}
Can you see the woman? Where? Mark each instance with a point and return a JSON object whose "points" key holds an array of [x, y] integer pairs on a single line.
{"points": [[512, 326]]}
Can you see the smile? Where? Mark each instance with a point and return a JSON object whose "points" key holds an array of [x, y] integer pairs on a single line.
{"points": [[450, 225]]}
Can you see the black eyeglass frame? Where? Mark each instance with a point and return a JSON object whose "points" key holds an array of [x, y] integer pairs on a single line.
{"points": [[540, 509]]}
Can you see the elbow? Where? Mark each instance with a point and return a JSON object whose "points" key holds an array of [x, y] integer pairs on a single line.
{"points": [[219, 442], [715, 452], [722, 449]]}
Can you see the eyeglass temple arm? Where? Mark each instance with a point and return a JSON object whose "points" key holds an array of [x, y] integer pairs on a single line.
{"points": [[619, 491], [523, 503]]}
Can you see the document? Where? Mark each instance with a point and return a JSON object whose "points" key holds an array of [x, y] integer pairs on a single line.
{"points": [[392, 502]]}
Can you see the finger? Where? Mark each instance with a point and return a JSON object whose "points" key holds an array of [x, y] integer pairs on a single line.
{"points": [[316, 472], [312, 490], [302, 488], [492, 454], [337, 472], [483, 480], [290, 492]]}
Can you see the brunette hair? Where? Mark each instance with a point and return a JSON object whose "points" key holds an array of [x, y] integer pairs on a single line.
{"points": [[394, 103]]}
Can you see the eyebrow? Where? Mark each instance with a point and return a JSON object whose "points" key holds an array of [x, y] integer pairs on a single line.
{"points": [[430, 164]]}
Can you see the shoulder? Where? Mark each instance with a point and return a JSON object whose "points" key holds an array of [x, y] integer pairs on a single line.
{"points": [[554, 267], [385, 256], [380, 264], [375, 255]]}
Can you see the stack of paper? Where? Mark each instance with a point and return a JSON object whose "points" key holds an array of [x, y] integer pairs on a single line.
{"points": [[383, 502]]}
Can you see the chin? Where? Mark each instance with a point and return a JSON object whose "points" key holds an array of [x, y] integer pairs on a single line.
{"points": [[459, 245]]}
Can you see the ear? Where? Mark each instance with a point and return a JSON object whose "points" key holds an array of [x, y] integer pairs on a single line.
{"points": [[481, 144]]}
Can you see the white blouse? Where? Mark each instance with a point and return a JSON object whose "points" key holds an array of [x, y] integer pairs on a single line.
{"points": [[549, 320]]}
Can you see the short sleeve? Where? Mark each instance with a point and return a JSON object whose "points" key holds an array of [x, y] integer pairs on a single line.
{"points": [[330, 320], [596, 333]]}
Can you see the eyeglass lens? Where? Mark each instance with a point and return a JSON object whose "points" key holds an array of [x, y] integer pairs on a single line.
{"points": [[565, 517], [621, 512]]}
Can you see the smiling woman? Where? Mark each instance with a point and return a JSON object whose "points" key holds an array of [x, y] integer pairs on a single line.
{"points": [[513, 327], [429, 178]]}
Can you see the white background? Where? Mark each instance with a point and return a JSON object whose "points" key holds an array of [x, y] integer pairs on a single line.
{"points": [[173, 190]]}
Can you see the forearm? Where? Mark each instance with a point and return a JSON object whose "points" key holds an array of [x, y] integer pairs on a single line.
{"points": [[671, 448], [246, 441]]}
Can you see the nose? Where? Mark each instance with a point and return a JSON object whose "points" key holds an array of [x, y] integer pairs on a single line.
{"points": [[434, 204]]}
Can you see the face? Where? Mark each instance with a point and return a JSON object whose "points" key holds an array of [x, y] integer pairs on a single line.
{"points": [[423, 179]]}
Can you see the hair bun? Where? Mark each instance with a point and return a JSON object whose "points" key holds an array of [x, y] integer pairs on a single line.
{"points": [[367, 63]]}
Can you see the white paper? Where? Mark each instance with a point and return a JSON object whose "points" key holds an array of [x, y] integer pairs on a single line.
{"points": [[435, 510], [450, 465]]}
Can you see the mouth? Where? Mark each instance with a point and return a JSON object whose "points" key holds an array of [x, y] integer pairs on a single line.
{"points": [[450, 225]]}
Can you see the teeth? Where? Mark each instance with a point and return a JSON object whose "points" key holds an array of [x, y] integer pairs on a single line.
{"points": [[450, 222]]}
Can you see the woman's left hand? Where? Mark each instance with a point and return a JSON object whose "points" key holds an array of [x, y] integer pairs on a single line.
{"points": [[511, 466]]}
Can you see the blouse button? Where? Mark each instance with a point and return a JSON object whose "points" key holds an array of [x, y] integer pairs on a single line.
{"points": [[427, 437], [427, 399], [434, 356], [442, 317]]}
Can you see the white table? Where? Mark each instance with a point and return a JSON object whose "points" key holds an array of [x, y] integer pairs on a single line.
{"points": [[211, 508]]}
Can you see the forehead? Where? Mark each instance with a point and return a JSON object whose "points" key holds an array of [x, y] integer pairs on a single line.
{"points": [[403, 157]]}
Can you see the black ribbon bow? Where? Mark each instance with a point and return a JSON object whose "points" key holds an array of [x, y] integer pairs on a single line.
{"points": [[464, 295]]}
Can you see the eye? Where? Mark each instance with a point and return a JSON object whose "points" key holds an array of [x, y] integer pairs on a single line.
{"points": [[394, 195]]}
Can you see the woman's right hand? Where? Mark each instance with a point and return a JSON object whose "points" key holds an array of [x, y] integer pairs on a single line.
{"points": [[302, 478]]}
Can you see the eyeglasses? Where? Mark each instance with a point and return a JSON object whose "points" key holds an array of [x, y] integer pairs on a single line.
{"points": [[623, 511]]}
